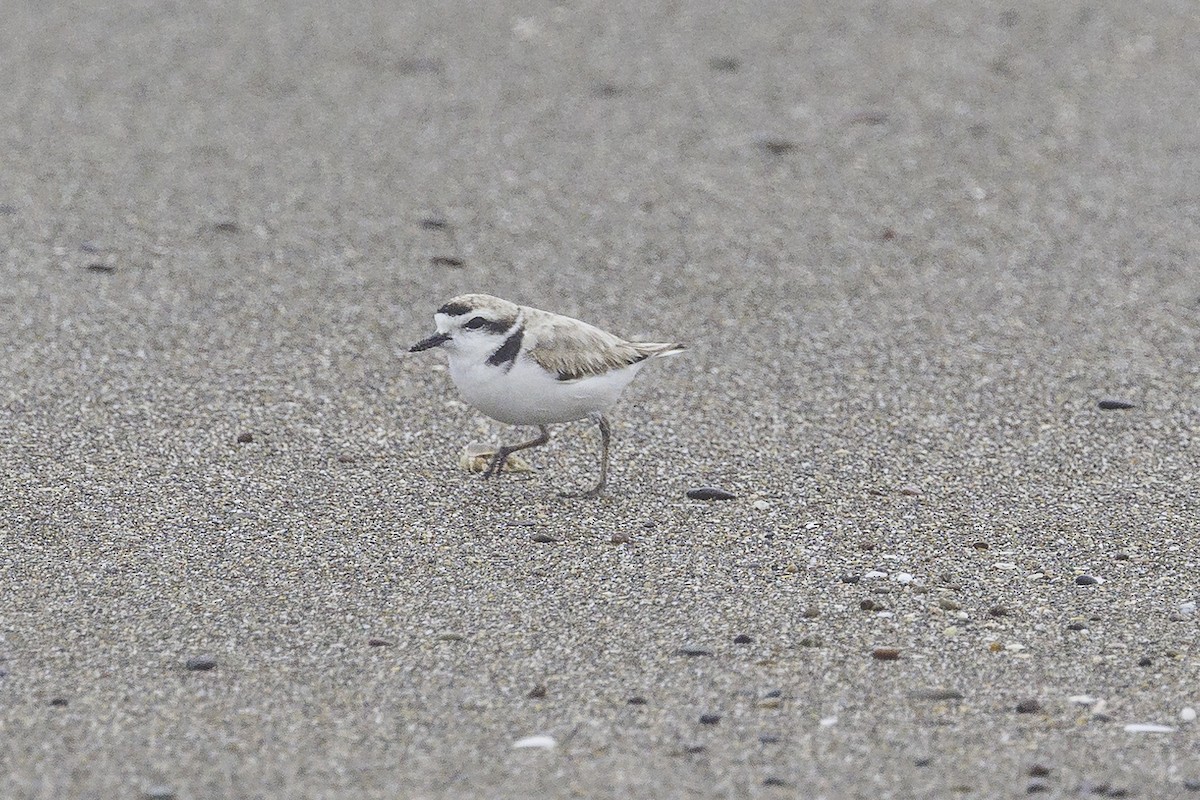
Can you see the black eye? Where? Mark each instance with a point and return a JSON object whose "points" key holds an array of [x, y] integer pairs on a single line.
{"points": [[477, 322]]}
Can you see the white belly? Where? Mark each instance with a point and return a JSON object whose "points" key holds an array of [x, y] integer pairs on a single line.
{"points": [[528, 395]]}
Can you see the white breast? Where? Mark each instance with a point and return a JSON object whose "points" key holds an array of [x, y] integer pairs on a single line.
{"points": [[528, 395]]}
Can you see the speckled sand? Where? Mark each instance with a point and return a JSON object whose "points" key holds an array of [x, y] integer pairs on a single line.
{"points": [[912, 246]]}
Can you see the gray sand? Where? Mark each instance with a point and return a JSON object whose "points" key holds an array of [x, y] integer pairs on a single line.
{"points": [[911, 246]]}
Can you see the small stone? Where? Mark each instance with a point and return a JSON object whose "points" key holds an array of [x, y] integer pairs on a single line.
{"points": [[1036, 787], [434, 223], [694, 650], [100, 266], [58, 702], [761, 505], [345, 458], [980, 545], [948, 605], [1121, 556], [1039, 771], [200, 664], [812, 641], [998, 611], [885, 653], [637, 700], [1115, 405], [812, 612], [769, 702], [1192, 785], [537, 692], [1086, 580], [773, 781], [228, 226], [777, 147], [450, 636], [160, 793], [923, 761], [936, 695], [694, 749], [1077, 626], [452, 262], [710, 493], [1029, 706], [376, 642], [1187, 714], [621, 537], [871, 605], [1148, 727], [1145, 661], [545, 538], [724, 64], [710, 719], [245, 438], [851, 578], [535, 743], [768, 738], [909, 490], [743, 638]]}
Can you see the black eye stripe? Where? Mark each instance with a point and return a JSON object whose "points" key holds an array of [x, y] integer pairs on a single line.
{"points": [[454, 309]]}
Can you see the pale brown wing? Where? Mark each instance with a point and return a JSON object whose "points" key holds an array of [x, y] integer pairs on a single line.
{"points": [[572, 349]]}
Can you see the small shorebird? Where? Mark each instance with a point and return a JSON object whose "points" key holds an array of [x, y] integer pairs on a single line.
{"points": [[524, 366]]}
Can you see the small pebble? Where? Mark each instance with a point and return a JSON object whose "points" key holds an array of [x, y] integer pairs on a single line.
{"points": [[761, 505], [851, 578], [694, 650], [452, 262], [637, 700], [1145, 661], [1077, 626], [1188, 714], [434, 223], [1121, 556], [544, 538], [710, 493], [998, 611], [227, 227], [710, 719], [777, 147], [1039, 771], [1115, 405], [1148, 727], [885, 653], [936, 694], [100, 266], [376, 642], [871, 605], [200, 664], [923, 761], [909, 491], [724, 64], [743, 638], [245, 438], [980, 545], [1086, 580], [1029, 706], [160, 793], [450, 636], [812, 612], [1036, 787], [768, 738], [535, 743], [772, 781], [948, 605], [537, 692], [58, 702], [811, 641], [619, 538], [1192, 785]]}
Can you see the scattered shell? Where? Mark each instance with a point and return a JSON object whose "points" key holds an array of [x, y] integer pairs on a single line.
{"points": [[1148, 727], [476, 457], [536, 742], [710, 493], [761, 505], [828, 722]]}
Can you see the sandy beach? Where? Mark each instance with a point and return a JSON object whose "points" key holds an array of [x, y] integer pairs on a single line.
{"points": [[938, 270]]}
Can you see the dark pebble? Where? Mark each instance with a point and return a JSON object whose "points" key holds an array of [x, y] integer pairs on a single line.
{"points": [[871, 605], [448, 261], [936, 694], [812, 641], [851, 578], [537, 692], [724, 64], [777, 147], [774, 693], [637, 700], [710, 719], [1145, 661], [100, 266], [227, 227], [694, 749], [694, 650], [1115, 405], [774, 782], [812, 612], [434, 223], [998, 611], [981, 545], [1192, 786], [885, 653], [160, 793], [924, 761], [345, 458], [710, 493], [609, 90], [743, 638], [7, 209], [58, 702], [1039, 771], [1077, 626], [1086, 580], [245, 438], [544, 538], [888, 234], [1121, 556], [619, 538], [768, 738], [200, 664], [375, 642], [1029, 707], [1036, 787]]}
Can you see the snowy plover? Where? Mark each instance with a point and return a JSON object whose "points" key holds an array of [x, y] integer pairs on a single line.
{"points": [[524, 366]]}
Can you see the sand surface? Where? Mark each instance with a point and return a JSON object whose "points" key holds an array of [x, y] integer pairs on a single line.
{"points": [[911, 246]]}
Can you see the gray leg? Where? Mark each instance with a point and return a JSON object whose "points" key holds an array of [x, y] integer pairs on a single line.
{"points": [[605, 438], [505, 451]]}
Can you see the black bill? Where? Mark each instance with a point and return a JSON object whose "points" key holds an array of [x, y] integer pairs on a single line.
{"points": [[433, 341]]}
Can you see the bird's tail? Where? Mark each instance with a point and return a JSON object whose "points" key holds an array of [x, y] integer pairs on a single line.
{"points": [[659, 349]]}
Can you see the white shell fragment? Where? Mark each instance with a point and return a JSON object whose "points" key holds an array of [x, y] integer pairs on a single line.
{"points": [[1148, 727], [536, 742], [475, 457]]}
